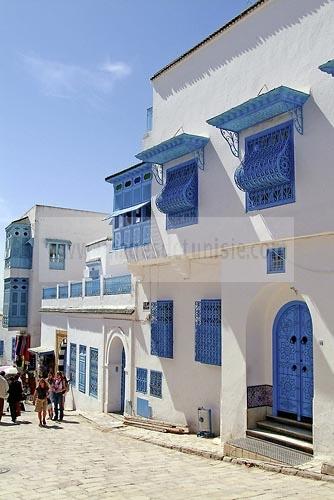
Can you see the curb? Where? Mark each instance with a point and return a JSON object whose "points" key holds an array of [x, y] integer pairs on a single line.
{"points": [[219, 456]]}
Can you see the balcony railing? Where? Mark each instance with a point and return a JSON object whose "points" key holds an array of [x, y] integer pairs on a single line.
{"points": [[92, 288], [115, 285], [50, 293], [76, 289]]}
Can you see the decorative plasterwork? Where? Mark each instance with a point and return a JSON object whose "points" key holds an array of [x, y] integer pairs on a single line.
{"points": [[328, 67], [174, 148], [257, 110]]}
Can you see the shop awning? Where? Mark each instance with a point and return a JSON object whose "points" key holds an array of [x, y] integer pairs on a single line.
{"points": [[41, 349], [328, 67], [173, 148], [260, 108], [129, 209]]}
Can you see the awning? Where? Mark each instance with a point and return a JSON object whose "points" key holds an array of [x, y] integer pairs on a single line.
{"points": [[173, 148], [328, 67], [129, 209], [259, 109], [41, 349]]}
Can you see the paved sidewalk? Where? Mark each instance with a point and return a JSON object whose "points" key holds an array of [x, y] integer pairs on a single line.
{"points": [[76, 460]]}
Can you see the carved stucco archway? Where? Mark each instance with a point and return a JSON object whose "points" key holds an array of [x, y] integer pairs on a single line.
{"points": [[116, 341]]}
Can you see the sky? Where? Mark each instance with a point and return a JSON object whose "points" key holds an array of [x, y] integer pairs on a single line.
{"points": [[74, 89]]}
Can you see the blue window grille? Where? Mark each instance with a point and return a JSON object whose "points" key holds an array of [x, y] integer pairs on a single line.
{"points": [[149, 119], [92, 288], [73, 364], [2, 347], [276, 260], [162, 328], [13, 348], [76, 289], [57, 256], [156, 383], [117, 285], [63, 291], [93, 371], [82, 368], [267, 171], [50, 293], [208, 331], [141, 380], [179, 197], [19, 246], [15, 305]]}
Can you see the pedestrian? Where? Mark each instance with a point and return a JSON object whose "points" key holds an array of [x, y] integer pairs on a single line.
{"points": [[3, 392], [40, 401], [15, 397], [66, 387], [57, 388], [50, 381]]}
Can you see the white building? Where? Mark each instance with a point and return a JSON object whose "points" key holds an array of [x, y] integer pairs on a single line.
{"points": [[43, 247], [229, 243]]}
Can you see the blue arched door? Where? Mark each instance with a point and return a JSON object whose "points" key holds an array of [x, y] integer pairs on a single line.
{"points": [[122, 380], [293, 360]]}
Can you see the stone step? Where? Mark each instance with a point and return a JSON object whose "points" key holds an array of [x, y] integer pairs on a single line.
{"points": [[287, 441], [286, 430], [288, 421]]}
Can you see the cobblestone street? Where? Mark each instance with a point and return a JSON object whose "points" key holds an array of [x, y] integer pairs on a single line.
{"points": [[75, 460]]}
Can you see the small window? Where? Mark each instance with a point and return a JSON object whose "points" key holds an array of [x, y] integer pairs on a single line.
{"points": [[276, 260], [118, 187], [156, 384], [57, 256], [137, 180], [17, 233], [127, 219], [147, 176], [141, 380], [128, 184]]}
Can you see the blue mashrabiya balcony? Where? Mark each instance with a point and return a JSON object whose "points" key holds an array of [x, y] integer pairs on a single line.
{"points": [[328, 67], [179, 196], [131, 218], [19, 245]]}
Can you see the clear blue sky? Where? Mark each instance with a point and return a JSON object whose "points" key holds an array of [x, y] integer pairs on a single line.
{"points": [[74, 83]]}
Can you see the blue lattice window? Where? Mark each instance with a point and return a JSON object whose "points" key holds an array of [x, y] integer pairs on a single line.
{"points": [[156, 384], [162, 328], [267, 171], [82, 368], [15, 304], [141, 380], [19, 246], [208, 331], [179, 197], [2, 347], [93, 372], [73, 364], [276, 260]]}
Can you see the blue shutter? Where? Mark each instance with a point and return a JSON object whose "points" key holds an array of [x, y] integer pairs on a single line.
{"points": [[162, 328], [2, 345], [143, 408], [82, 368], [15, 309], [208, 331], [141, 380], [156, 383], [276, 260], [73, 364], [93, 372]]}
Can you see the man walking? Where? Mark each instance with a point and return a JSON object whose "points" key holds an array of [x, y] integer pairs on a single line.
{"points": [[3, 392]]}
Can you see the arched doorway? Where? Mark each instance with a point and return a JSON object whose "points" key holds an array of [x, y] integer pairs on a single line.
{"points": [[293, 361], [116, 374]]}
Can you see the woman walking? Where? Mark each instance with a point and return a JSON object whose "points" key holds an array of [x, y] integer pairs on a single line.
{"points": [[15, 397], [40, 401], [57, 389]]}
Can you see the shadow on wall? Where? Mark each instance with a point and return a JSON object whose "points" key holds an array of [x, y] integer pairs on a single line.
{"points": [[239, 40]]}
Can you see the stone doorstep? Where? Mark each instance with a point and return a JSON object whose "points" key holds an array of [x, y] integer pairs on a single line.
{"points": [[247, 461]]}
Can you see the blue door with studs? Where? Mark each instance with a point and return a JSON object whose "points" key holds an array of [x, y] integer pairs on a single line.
{"points": [[293, 361]]}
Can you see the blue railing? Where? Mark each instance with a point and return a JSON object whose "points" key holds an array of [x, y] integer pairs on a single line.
{"points": [[76, 289], [50, 293], [117, 285], [63, 292], [92, 288]]}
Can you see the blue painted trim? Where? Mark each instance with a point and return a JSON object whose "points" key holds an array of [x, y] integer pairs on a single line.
{"points": [[257, 110], [173, 148]]}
